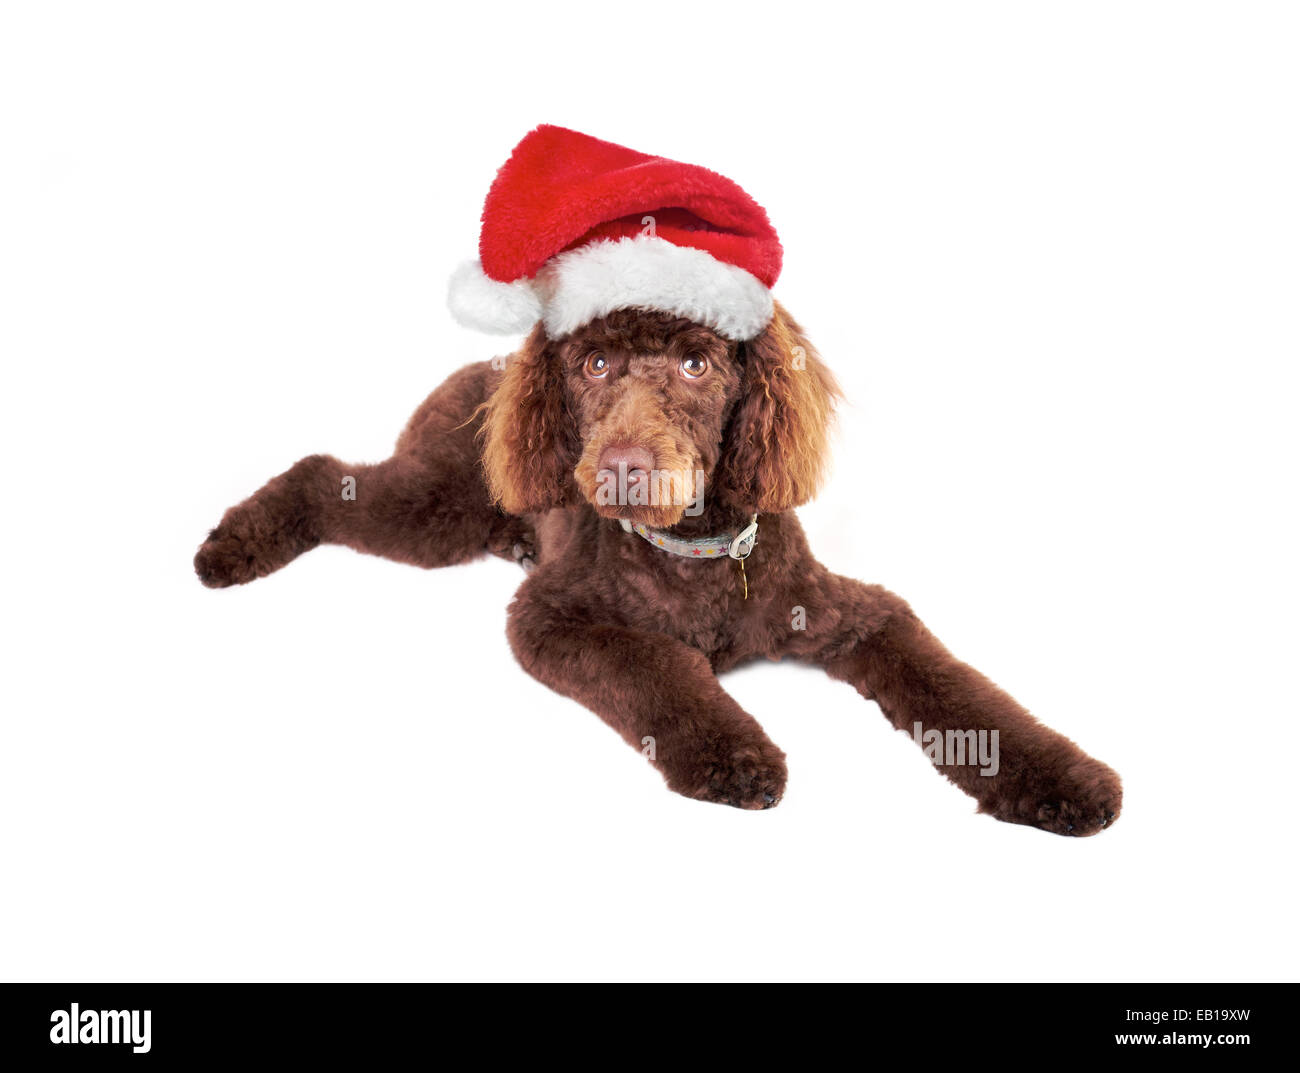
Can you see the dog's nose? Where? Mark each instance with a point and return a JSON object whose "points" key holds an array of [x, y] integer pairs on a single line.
{"points": [[635, 462]]}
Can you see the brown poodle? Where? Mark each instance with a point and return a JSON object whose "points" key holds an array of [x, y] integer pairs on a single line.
{"points": [[579, 455]]}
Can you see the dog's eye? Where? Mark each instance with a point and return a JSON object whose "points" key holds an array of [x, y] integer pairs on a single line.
{"points": [[694, 366], [596, 366]]}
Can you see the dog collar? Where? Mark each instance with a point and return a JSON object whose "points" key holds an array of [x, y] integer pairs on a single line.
{"points": [[718, 547]]}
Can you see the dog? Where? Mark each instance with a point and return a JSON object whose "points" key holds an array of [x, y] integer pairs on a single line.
{"points": [[641, 456], [519, 462]]}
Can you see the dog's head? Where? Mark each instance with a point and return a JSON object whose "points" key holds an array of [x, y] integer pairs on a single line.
{"points": [[644, 414]]}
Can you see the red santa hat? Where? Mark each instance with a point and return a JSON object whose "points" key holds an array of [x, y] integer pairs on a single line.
{"points": [[574, 228]]}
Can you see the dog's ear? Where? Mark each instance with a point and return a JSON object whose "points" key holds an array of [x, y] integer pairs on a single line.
{"points": [[530, 443], [775, 449]]}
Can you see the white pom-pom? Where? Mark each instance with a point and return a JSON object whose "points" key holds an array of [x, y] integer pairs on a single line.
{"points": [[488, 305]]}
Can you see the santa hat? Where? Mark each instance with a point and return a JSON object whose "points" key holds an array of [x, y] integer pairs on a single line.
{"points": [[574, 228]]}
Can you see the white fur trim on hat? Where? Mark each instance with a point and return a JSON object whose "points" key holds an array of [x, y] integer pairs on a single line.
{"points": [[641, 272], [648, 272]]}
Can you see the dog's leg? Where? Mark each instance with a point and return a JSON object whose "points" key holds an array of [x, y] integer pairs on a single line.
{"points": [[658, 693], [427, 505], [401, 509], [1036, 776]]}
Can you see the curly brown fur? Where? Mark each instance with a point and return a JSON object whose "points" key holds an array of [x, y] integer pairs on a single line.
{"points": [[513, 462]]}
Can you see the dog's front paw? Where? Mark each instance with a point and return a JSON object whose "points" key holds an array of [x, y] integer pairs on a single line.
{"points": [[1078, 797], [251, 542], [513, 539], [749, 775], [226, 558]]}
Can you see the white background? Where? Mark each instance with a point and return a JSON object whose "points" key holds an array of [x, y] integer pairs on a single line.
{"points": [[1051, 251]]}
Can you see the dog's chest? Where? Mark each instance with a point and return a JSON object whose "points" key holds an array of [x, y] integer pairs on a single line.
{"points": [[693, 601], [699, 602]]}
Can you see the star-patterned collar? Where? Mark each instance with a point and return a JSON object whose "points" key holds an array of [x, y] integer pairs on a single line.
{"points": [[736, 546]]}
